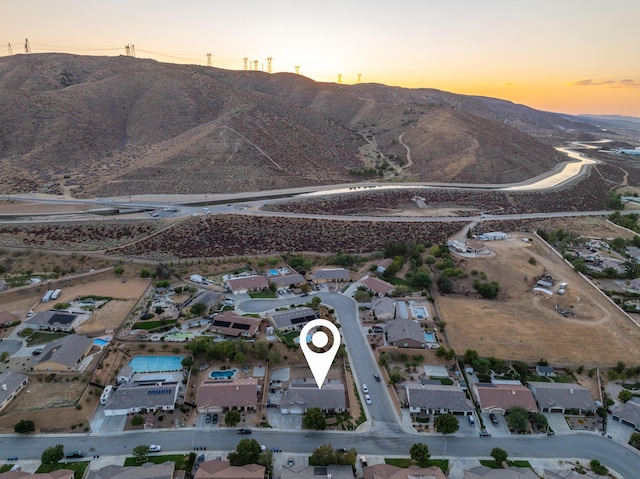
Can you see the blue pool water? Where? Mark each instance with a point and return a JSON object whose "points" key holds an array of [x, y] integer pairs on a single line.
{"points": [[228, 374], [153, 364], [430, 338], [273, 272], [100, 342]]}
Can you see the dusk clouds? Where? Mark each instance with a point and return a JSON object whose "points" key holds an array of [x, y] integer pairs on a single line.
{"points": [[626, 83]]}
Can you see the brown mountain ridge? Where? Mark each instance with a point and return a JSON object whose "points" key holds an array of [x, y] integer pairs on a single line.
{"points": [[103, 126]]}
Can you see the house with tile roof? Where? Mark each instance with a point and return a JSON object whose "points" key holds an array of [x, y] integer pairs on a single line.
{"points": [[218, 395], [405, 333], [64, 354], [332, 471], [560, 397], [145, 471], [299, 397], [484, 472], [11, 384], [59, 474], [247, 284], [219, 469], [387, 471], [231, 324], [498, 398], [438, 399], [377, 286]]}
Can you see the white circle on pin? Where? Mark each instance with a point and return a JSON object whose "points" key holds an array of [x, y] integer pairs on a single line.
{"points": [[320, 339]]}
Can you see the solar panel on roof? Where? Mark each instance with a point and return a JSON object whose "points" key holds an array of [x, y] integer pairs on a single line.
{"points": [[222, 324], [242, 326]]}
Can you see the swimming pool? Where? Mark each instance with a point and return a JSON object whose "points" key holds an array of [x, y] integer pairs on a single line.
{"points": [[274, 272], [100, 342], [151, 364], [419, 312], [430, 338], [228, 374]]}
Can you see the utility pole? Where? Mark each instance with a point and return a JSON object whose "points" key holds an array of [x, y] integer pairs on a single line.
{"points": [[27, 48], [10, 50]]}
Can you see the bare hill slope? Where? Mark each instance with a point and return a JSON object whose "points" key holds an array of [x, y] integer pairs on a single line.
{"points": [[119, 125]]}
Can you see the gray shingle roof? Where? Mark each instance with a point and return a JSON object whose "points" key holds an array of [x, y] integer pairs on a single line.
{"points": [[143, 395], [335, 274], [12, 381], [434, 396], [299, 316], [400, 329], [629, 412], [330, 396], [287, 280], [67, 350], [563, 395], [146, 471]]}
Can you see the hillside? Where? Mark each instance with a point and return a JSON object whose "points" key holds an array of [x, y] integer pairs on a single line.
{"points": [[102, 126]]}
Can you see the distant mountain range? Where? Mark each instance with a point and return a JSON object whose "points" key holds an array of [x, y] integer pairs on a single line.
{"points": [[101, 126]]}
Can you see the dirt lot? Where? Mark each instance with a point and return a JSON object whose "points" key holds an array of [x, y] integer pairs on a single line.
{"points": [[524, 325]]}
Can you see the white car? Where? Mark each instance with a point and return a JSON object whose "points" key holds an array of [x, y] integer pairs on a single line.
{"points": [[365, 389], [154, 448], [367, 398]]}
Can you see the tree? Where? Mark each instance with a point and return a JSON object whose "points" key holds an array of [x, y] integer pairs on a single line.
{"points": [[198, 309], [446, 424], [305, 287], [444, 284], [598, 467], [470, 355], [137, 420], [421, 278], [232, 418], [323, 456], [518, 419], [247, 452], [141, 452], [314, 419], [315, 302], [4, 357], [24, 426], [119, 270], [623, 395], [53, 454], [362, 296], [499, 455], [159, 309], [145, 273], [187, 362], [420, 453]]}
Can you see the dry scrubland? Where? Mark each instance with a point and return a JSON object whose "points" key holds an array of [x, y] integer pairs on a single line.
{"points": [[523, 325]]}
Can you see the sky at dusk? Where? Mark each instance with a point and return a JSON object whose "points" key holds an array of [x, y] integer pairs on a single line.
{"points": [[571, 56]]}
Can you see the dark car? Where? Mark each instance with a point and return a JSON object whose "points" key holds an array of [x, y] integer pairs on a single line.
{"points": [[244, 431], [342, 449], [484, 433], [207, 418], [377, 378], [75, 454], [214, 419], [494, 419]]}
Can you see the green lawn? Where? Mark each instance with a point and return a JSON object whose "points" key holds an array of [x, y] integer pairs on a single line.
{"points": [[148, 325], [41, 337], [494, 465], [179, 459], [396, 281], [263, 294], [77, 467], [5, 467], [443, 464]]}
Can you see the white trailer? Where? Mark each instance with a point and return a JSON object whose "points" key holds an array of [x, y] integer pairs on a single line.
{"points": [[56, 294], [47, 296]]}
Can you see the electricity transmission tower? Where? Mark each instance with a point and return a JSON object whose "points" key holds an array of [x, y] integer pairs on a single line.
{"points": [[9, 49], [27, 47]]}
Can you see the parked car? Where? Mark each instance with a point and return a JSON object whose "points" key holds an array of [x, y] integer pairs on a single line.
{"points": [[377, 377], [154, 448], [484, 433], [37, 352], [207, 418], [342, 449], [290, 461], [472, 421], [75, 454], [214, 419], [244, 430], [494, 419], [367, 398]]}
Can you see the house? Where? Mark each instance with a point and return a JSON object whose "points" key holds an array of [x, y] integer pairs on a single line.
{"points": [[438, 399], [383, 264], [587, 254], [211, 299], [545, 371], [231, 324], [64, 354], [493, 236], [560, 397], [333, 471], [484, 472], [196, 278], [387, 471], [383, 308], [133, 397], [627, 413], [219, 469], [10, 385], [377, 286], [334, 275], [570, 474], [59, 474], [223, 395], [124, 374], [145, 471], [246, 284], [499, 398], [289, 281], [475, 246], [301, 396], [57, 320], [634, 284], [405, 333], [633, 252], [294, 319]]}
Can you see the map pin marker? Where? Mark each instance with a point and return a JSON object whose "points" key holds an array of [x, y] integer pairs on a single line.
{"points": [[319, 363]]}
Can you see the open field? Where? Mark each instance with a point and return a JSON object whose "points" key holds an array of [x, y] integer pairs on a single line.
{"points": [[525, 326]]}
